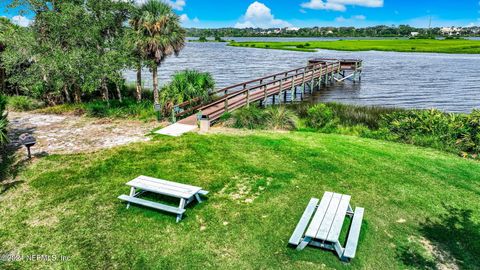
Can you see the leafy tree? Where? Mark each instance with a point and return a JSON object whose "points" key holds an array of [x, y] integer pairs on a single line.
{"points": [[77, 48], [161, 36]]}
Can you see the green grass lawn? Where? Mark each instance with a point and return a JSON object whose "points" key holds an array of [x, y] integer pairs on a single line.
{"points": [[421, 204], [398, 45]]}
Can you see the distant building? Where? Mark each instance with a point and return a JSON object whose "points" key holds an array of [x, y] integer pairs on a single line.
{"points": [[451, 31], [414, 34], [293, 29]]}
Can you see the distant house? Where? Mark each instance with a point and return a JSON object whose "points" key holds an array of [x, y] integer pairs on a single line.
{"points": [[451, 31], [293, 29], [414, 34]]}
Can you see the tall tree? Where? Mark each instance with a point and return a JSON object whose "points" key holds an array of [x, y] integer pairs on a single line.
{"points": [[78, 46], [160, 35]]}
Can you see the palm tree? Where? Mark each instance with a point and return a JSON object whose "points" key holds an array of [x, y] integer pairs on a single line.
{"points": [[160, 35], [187, 85]]}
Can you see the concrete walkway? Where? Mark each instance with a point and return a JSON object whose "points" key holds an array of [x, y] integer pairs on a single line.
{"points": [[176, 129]]}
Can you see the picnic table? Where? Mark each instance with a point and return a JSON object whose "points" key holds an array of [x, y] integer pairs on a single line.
{"points": [[324, 228], [142, 184]]}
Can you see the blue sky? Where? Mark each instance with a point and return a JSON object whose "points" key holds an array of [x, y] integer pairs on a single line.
{"points": [[303, 13]]}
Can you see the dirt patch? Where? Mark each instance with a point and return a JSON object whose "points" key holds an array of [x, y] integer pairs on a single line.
{"points": [[73, 134], [443, 260], [245, 189]]}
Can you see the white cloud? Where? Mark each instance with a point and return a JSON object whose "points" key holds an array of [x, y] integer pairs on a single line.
{"points": [[175, 4], [342, 19], [340, 5], [185, 19], [21, 20], [259, 15]]}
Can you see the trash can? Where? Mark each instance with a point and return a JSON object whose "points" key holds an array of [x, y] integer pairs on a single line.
{"points": [[204, 123]]}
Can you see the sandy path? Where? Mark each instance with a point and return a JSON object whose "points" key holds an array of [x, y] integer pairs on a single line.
{"points": [[72, 134]]}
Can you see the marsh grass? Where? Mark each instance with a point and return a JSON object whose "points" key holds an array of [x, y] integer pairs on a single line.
{"points": [[398, 45]]}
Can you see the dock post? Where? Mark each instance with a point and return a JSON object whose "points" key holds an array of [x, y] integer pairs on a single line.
{"points": [[280, 92], [264, 95], [293, 90]]}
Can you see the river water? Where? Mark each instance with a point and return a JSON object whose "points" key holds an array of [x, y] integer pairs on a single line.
{"points": [[449, 82]]}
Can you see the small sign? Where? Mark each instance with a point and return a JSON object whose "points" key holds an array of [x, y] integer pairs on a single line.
{"points": [[157, 107]]}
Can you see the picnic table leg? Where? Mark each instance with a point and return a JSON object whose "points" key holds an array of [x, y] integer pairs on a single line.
{"points": [[132, 194], [181, 206], [304, 243], [339, 249], [349, 211], [198, 198]]}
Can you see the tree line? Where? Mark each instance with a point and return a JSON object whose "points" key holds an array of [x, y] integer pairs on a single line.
{"points": [[373, 31]]}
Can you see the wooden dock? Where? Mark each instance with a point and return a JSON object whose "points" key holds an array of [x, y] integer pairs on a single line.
{"points": [[285, 87]]}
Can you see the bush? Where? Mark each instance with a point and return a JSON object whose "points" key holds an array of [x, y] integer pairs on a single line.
{"points": [[280, 118], [97, 109], [433, 128], [319, 116], [23, 103], [249, 117], [301, 46]]}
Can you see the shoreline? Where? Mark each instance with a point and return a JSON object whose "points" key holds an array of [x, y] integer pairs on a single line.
{"points": [[448, 46]]}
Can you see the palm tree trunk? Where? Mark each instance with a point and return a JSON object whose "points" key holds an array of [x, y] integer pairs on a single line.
{"points": [[156, 97], [139, 82]]}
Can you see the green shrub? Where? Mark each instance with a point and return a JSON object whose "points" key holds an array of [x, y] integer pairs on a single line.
{"points": [[301, 46], [319, 116], [23, 103], [433, 128], [279, 117], [97, 109], [250, 117]]}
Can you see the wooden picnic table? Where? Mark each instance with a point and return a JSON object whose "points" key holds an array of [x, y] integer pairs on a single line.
{"points": [[324, 228], [186, 194]]}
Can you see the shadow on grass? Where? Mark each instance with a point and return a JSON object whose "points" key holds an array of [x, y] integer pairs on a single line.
{"points": [[12, 161], [455, 238]]}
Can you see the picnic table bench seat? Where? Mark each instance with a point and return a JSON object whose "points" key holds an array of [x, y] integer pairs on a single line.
{"points": [[321, 224], [159, 206], [186, 194]]}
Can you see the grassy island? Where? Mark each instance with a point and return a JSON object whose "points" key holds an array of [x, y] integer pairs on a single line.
{"points": [[397, 45]]}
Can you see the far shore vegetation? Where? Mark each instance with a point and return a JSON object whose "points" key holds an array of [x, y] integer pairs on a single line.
{"points": [[451, 45]]}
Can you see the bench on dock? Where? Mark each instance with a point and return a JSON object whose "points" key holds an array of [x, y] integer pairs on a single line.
{"points": [[142, 184], [323, 230]]}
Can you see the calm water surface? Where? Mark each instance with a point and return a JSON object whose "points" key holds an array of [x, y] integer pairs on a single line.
{"points": [[409, 80]]}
